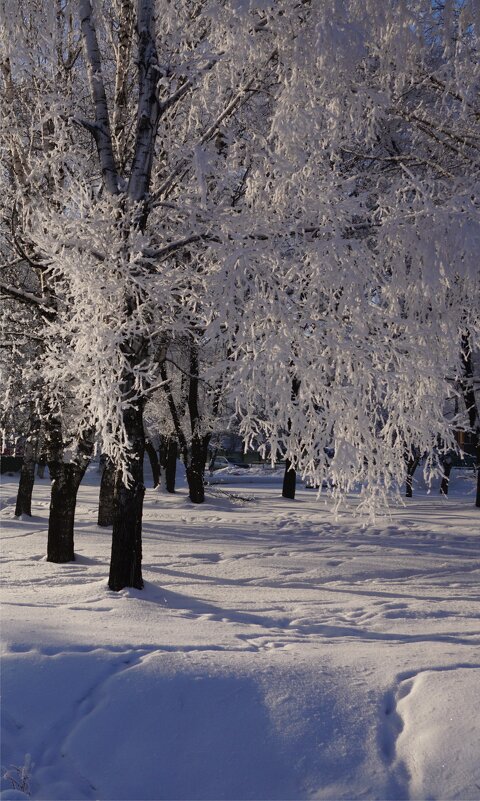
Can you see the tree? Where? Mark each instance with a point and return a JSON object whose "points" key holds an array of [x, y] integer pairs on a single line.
{"points": [[106, 504], [35, 154], [470, 387], [104, 233], [295, 181], [361, 270]]}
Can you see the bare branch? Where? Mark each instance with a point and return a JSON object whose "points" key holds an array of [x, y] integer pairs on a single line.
{"points": [[399, 159], [37, 265], [168, 250], [24, 297], [184, 88], [443, 86], [187, 373], [91, 127], [428, 128]]}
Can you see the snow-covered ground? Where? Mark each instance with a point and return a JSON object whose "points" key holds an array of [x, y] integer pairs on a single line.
{"points": [[275, 653]]}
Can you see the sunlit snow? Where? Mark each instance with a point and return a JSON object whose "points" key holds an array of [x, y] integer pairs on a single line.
{"points": [[275, 653]]}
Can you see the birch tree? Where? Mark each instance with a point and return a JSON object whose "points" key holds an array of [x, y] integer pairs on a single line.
{"points": [[295, 180], [113, 223], [33, 168], [372, 164]]}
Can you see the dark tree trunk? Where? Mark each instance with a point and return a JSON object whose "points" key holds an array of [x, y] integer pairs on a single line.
{"points": [[470, 399], [195, 470], [162, 459], [289, 481], [27, 474], [66, 479], [154, 463], [290, 476], [447, 465], [171, 465], [106, 496], [126, 558], [23, 505], [412, 464], [168, 462], [63, 500]]}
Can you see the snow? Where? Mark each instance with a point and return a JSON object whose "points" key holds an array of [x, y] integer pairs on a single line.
{"points": [[430, 705], [261, 474], [276, 652]]}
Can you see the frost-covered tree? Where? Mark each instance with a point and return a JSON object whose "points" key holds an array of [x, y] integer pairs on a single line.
{"points": [[367, 276], [129, 164], [19, 407], [32, 172], [295, 180]]}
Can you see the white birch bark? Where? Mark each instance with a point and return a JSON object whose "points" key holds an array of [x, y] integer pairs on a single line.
{"points": [[102, 132]]}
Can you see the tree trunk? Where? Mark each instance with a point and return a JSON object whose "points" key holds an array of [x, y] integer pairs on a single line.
{"points": [[66, 479], [106, 496], [196, 470], [289, 481], [63, 499], [154, 463], [470, 399], [162, 460], [447, 465], [167, 460], [412, 464], [290, 476], [23, 505], [27, 474], [126, 558], [171, 465]]}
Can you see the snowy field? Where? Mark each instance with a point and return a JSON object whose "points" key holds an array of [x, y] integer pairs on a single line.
{"points": [[275, 653]]}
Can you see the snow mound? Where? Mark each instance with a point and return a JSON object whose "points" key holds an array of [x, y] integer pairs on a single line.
{"points": [[440, 740]]}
